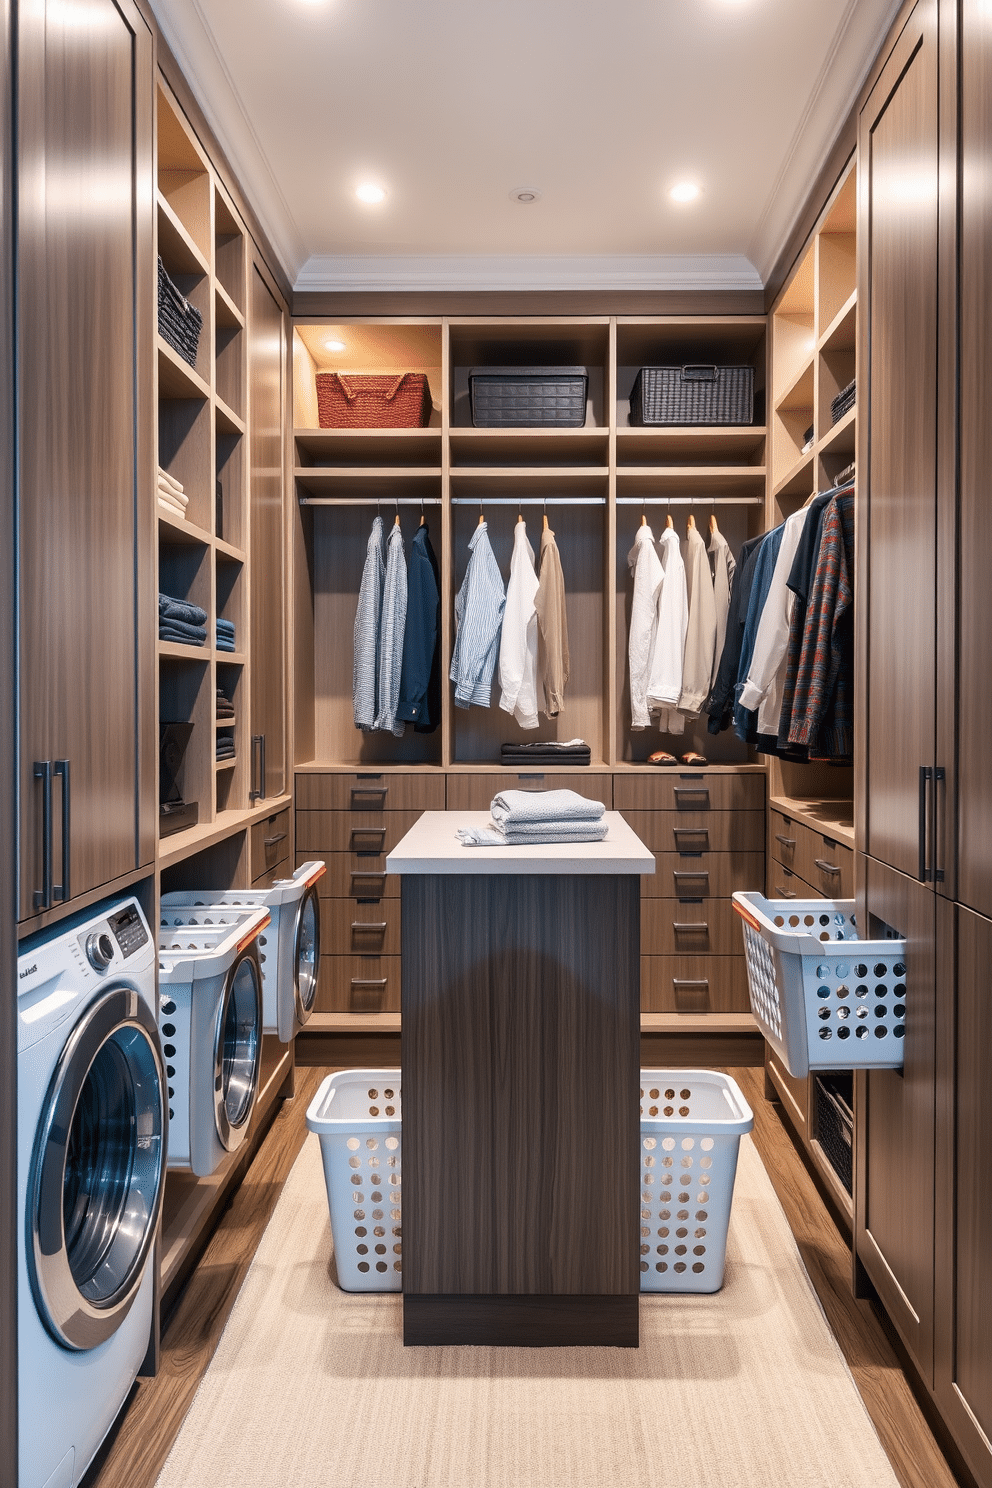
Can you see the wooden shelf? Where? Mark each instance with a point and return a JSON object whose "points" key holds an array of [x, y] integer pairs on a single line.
{"points": [[179, 532], [682, 445], [176, 378], [175, 651], [180, 845], [691, 478], [226, 311], [178, 250], [227, 420], [840, 334], [227, 764], [840, 438], [228, 550], [799, 478], [230, 658], [484, 448], [689, 1023], [831, 818], [356, 448], [798, 395], [403, 480]]}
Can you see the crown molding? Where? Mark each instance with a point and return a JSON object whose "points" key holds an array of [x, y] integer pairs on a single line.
{"points": [[382, 273], [194, 46]]}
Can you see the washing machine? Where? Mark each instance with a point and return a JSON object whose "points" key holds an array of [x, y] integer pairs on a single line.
{"points": [[91, 1140], [210, 1019], [288, 949]]}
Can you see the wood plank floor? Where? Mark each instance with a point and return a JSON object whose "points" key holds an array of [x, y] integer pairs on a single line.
{"points": [[134, 1455]]}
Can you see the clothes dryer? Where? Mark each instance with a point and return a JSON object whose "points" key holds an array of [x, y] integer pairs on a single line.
{"points": [[91, 1136], [210, 1018], [288, 949]]}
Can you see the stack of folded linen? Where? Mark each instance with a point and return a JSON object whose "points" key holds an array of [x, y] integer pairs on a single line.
{"points": [[225, 746], [547, 816], [225, 708], [843, 403], [171, 497], [546, 752], [225, 635], [180, 621]]}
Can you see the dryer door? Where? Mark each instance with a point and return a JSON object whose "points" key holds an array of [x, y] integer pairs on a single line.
{"points": [[238, 1049], [306, 953], [97, 1172]]}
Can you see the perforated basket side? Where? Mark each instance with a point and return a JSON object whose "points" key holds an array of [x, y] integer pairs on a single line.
{"points": [[363, 1177]]}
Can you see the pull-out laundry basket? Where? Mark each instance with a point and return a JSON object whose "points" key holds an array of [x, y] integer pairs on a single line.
{"points": [[356, 1114], [824, 999], [210, 1019], [692, 1122], [288, 949]]}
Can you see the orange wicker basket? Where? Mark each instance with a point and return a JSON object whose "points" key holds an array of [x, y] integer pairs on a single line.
{"points": [[373, 400]]}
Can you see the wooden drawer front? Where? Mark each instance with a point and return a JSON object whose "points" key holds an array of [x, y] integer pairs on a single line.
{"points": [[784, 884], [370, 792], [697, 790], [683, 831], [475, 792], [694, 984], [671, 927], [793, 1093], [358, 984], [270, 842], [350, 876], [711, 875], [267, 879], [785, 839], [369, 835], [348, 928], [827, 865]]}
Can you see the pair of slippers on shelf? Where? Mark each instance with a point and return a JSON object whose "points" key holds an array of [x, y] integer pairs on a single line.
{"points": [[662, 757]]}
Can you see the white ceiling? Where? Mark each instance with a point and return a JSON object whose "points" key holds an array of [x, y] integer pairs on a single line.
{"points": [[452, 104]]}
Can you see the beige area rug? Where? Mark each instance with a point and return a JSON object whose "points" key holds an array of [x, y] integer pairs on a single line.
{"points": [[312, 1388]]}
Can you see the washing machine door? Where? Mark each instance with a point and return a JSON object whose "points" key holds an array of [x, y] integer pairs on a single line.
{"points": [[97, 1171], [306, 953], [238, 1049]]}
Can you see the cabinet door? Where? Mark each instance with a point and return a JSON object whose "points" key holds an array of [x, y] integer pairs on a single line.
{"points": [[897, 399], [894, 1216], [84, 220], [975, 435], [266, 374]]}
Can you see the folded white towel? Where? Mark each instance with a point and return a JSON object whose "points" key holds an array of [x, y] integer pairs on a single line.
{"points": [[172, 507], [169, 480], [573, 831], [173, 494], [481, 837], [514, 806]]}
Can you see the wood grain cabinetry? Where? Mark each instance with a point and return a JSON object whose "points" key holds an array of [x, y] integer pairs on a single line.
{"points": [[87, 747]]}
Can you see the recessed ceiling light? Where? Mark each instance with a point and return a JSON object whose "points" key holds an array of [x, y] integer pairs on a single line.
{"points": [[685, 191], [334, 346], [370, 193], [525, 195]]}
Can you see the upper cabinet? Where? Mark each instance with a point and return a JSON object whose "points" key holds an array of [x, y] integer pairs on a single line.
{"points": [[86, 642]]}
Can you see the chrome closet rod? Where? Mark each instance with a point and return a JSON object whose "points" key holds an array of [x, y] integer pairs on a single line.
{"points": [[690, 501], [528, 501], [370, 501]]}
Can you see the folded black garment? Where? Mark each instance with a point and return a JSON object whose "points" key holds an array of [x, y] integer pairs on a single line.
{"points": [[186, 635], [525, 760], [225, 751], [224, 708], [843, 402], [181, 609], [547, 753]]}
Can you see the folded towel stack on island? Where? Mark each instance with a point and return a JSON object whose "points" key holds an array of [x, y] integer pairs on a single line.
{"points": [[547, 816]]}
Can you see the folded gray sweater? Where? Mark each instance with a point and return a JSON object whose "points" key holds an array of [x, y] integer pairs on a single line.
{"points": [[513, 808]]}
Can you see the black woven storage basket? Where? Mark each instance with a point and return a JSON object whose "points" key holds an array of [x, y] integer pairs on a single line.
{"points": [[698, 393], [528, 397], [179, 322], [835, 1128]]}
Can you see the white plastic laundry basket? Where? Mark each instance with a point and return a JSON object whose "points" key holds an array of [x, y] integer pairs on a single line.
{"points": [[824, 999], [692, 1122], [356, 1115]]}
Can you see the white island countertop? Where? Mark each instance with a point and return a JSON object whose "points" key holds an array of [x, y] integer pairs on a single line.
{"points": [[431, 846]]}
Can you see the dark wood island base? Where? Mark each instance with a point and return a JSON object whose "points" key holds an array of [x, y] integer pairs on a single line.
{"points": [[531, 1321]]}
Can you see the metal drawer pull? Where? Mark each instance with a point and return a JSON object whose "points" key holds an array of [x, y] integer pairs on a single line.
{"points": [[698, 792], [61, 891], [688, 925], [368, 885], [785, 841], [377, 984], [785, 893], [279, 837], [43, 896], [380, 791], [702, 876], [826, 867], [702, 832], [374, 927], [368, 839], [683, 982]]}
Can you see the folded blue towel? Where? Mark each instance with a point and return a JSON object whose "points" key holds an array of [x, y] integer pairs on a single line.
{"points": [[227, 625], [223, 645], [186, 635], [180, 609]]}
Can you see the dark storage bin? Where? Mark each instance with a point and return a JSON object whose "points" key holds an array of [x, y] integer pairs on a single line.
{"points": [[528, 397], [697, 393], [835, 1124], [179, 322]]}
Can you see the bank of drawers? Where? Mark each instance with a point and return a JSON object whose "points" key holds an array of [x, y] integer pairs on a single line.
{"points": [[707, 832], [269, 849], [805, 863], [352, 822], [475, 792]]}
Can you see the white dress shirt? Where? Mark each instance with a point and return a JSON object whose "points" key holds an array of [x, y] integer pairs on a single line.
{"points": [[518, 643], [665, 681], [645, 565]]}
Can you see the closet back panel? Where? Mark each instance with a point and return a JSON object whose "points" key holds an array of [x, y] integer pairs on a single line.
{"points": [[268, 621]]}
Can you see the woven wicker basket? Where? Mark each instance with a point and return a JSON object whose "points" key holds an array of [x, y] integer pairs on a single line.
{"points": [[373, 400], [179, 322], [697, 394]]}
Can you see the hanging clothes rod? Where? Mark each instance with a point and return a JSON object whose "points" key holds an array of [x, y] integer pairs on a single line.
{"points": [[690, 501], [383, 501], [528, 501]]}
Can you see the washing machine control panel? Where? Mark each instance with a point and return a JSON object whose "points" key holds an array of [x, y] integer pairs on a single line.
{"points": [[129, 930]]}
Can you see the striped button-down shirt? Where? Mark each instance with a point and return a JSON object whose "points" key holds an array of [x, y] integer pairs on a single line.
{"points": [[391, 633], [479, 606], [367, 616]]}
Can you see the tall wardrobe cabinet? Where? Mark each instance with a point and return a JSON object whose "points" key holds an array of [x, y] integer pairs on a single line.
{"points": [[84, 303]]}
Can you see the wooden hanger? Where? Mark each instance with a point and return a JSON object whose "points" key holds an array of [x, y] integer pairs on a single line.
{"points": [[691, 523], [644, 520], [668, 521], [713, 526]]}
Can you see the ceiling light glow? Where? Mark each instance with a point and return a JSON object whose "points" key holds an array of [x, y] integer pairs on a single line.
{"points": [[370, 193], [334, 346], [525, 195], [685, 191]]}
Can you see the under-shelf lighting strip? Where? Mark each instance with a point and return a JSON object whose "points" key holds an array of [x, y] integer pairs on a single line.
{"points": [[690, 500], [528, 500], [370, 501]]}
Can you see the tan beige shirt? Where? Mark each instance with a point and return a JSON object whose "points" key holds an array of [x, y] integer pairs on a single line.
{"points": [[552, 627]]}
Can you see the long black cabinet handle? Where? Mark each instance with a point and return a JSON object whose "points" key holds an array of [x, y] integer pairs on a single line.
{"points": [[43, 772], [923, 864], [939, 806], [61, 891], [261, 771]]}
